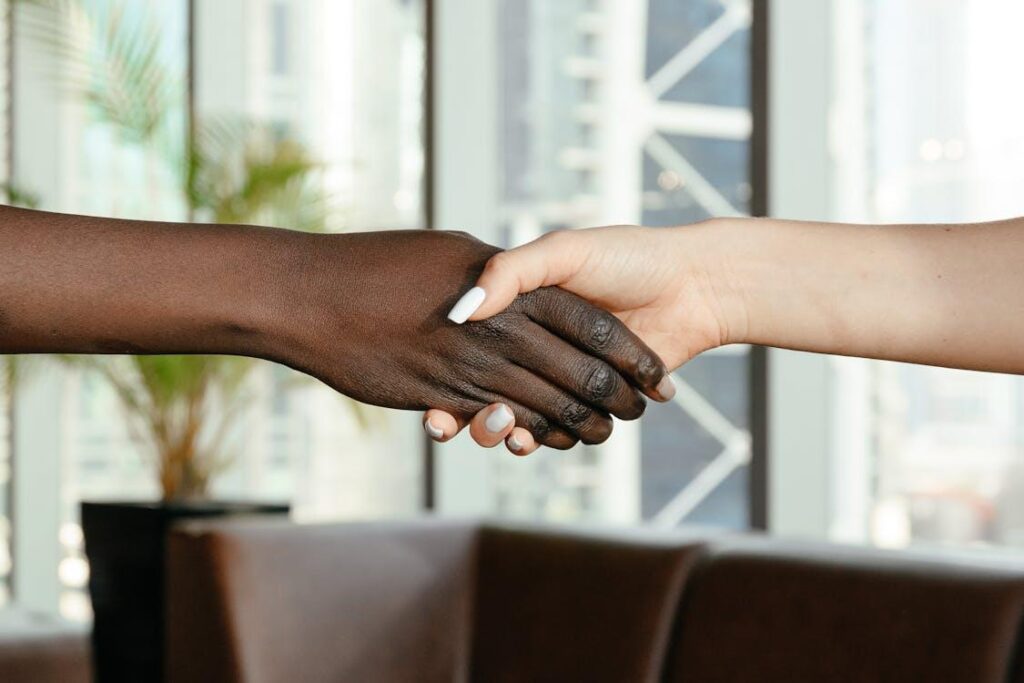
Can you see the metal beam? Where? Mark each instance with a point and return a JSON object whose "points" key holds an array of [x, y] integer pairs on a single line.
{"points": [[703, 192], [735, 18], [701, 120]]}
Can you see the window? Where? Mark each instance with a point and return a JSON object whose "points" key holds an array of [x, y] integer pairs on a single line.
{"points": [[695, 452], [569, 113], [342, 81], [618, 112], [279, 38], [8, 377], [352, 96], [944, 455]]}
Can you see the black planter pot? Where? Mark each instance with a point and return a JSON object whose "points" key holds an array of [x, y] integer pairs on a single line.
{"points": [[125, 545]]}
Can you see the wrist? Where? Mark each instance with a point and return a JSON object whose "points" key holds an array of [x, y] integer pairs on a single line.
{"points": [[719, 254], [785, 283], [276, 295]]}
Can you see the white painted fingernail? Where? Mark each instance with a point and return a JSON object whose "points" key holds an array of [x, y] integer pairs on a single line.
{"points": [[467, 305], [432, 431], [666, 388], [499, 418], [514, 445]]}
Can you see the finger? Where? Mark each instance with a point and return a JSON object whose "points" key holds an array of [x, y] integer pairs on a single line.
{"points": [[541, 429], [490, 426], [600, 334], [520, 442], [549, 260], [441, 426], [560, 408], [588, 378]]}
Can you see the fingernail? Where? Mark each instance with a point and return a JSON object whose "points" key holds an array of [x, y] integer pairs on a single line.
{"points": [[467, 305], [666, 388], [432, 431], [499, 418], [514, 445]]}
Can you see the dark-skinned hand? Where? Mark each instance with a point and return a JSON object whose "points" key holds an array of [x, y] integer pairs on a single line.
{"points": [[364, 312], [368, 317]]}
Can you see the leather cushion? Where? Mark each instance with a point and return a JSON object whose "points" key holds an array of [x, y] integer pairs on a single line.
{"points": [[767, 611], [39, 648], [356, 602], [576, 607]]}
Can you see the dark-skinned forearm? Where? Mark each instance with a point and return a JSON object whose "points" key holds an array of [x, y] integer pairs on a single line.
{"points": [[363, 312], [78, 284]]}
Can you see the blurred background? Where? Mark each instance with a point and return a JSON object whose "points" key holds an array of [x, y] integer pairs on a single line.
{"points": [[510, 118]]}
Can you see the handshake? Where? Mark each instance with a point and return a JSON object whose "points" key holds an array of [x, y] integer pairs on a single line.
{"points": [[540, 345], [440, 321]]}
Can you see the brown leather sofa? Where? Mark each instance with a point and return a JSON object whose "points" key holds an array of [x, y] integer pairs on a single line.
{"points": [[443, 601], [40, 648]]}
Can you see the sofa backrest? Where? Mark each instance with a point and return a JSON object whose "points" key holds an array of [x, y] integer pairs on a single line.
{"points": [[561, 606], [762, 610], [436, 601], [271, 602], [401, 602], [36, 647]]}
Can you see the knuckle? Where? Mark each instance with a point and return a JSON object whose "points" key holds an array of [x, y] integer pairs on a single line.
{"points": [[600, 382], [600, 329], [539, 427], [574, 414]]}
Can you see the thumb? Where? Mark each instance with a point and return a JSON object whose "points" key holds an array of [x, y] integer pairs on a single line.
{"points": [[550, 260]]}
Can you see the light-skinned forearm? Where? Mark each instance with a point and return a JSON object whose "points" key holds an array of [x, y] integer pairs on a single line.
{"points": [[948, 295]]}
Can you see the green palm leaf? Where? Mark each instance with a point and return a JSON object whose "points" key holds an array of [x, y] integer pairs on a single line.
{"points": [[234, 171], [110, 62]]}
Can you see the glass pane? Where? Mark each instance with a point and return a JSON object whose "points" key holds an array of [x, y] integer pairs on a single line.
{"points": [[86, 141], [718, 50], [342, 81], [8, 364], [945, 456], [704, 433], [338, 82], [560, 111]]}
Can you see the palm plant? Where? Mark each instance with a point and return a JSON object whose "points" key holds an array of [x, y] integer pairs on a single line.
{"points": [[229, 171]]}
